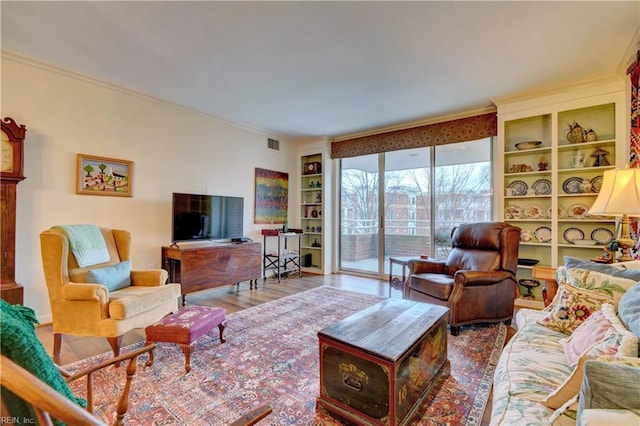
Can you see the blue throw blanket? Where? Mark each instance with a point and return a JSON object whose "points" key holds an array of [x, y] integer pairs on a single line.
{"points": [[86, 243]]}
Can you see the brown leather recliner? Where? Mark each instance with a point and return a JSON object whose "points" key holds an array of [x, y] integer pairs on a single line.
{"points": [[477, 282]]}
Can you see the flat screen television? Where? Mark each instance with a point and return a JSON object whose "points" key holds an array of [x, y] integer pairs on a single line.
{"points": [[206, 217]]}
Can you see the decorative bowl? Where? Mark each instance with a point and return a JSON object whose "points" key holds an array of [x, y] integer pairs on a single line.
{"points": [[528, 145], [584, 242], [527, 262], [529, 283]]}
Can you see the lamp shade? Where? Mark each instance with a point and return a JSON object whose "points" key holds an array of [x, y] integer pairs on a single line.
{"points": [[619, 194]]}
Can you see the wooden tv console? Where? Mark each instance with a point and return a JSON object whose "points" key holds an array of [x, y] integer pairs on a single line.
{"points": [[201, 266]]}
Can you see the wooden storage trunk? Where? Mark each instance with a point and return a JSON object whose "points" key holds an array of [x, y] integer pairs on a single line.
{"points": [[377, 365]]}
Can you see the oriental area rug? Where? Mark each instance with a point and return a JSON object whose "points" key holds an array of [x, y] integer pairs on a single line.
{"points": [[271, 357]]}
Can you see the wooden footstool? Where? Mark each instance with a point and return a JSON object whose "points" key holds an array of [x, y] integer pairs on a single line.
{"points": [[185, 327]]}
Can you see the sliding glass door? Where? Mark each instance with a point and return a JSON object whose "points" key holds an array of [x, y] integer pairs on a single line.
{"points": [[409, 209], [359, 217], [461, 191], [407, 204]]}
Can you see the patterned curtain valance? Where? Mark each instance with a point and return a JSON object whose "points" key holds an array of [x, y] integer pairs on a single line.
{"points": [[459, 130]]}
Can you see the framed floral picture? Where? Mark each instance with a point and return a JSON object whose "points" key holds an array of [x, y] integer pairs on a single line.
{"points": [[104, 176]]}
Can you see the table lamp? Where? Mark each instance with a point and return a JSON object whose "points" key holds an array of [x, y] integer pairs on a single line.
{"points": [[620, 196]]}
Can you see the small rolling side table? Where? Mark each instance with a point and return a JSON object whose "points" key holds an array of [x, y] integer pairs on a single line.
{"points": [[285, 260], [395, 282]]}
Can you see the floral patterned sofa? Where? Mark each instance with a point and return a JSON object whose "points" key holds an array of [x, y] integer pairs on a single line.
{"points": [[576, 361]]}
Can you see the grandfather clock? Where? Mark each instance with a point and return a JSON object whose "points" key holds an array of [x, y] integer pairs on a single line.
{"points": [[11, 173]]}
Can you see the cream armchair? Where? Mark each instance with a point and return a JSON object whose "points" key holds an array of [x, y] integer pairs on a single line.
{"points": [[88, 309]]}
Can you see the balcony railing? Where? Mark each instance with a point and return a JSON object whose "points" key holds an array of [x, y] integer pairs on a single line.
{"points": [[359, 240]]}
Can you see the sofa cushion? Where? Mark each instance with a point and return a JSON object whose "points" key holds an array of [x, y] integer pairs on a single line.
{"points": [[439, 286], [610, 285], [571, 307], [531, 366], [608, 417], [114, 277], [133, 300], [629, 309]]}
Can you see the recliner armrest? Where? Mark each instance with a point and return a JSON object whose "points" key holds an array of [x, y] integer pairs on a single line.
{"points": [[149, 277], [426, 266], [475, 278], [85, 291]]}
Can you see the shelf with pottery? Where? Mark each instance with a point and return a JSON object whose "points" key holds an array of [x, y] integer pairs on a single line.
{"points": [[311, 209], [552, 152]]}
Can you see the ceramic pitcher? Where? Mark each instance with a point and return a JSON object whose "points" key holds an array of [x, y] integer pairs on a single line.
{"points": [[578, 159]]}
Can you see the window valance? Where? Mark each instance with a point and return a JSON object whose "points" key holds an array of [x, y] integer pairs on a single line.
{"points": [[453, 131]]}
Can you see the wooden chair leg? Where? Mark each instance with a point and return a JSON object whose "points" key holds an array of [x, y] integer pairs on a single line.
{"points": [[115, 343], [455, 330], [149, 362], [187, 349], [123, 403], [57, 344], [222, 326]]}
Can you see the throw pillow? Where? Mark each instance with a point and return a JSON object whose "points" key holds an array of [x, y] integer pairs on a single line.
{"points": [[592, 331], [622, 269], [20, 343], [114, 277], [629, 309], [571, 307], [613, 287], [622, 343], [611, 383], [601, 334], [569, 388]]}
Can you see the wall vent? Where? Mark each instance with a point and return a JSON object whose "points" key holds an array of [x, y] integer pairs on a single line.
{"points": [[273, 144]]}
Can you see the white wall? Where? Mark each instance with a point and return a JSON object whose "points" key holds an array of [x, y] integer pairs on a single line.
{"points": [[174, 150]]}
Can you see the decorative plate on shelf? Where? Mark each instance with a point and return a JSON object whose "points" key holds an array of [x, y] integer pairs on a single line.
{"points": [[543, 234], [572, 185], [561, 212], [572, 234], [518, 187], [528, 145], [596, 184], [542, 187], [578, 211], [602, 236], [533, 211], [513, 212]]}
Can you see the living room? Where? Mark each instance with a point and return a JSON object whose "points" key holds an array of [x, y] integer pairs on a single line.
{"points": [[174, 147]]}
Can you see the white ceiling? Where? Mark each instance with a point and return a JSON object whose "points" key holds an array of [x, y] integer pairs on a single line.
{"points": [[327, 68]]}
